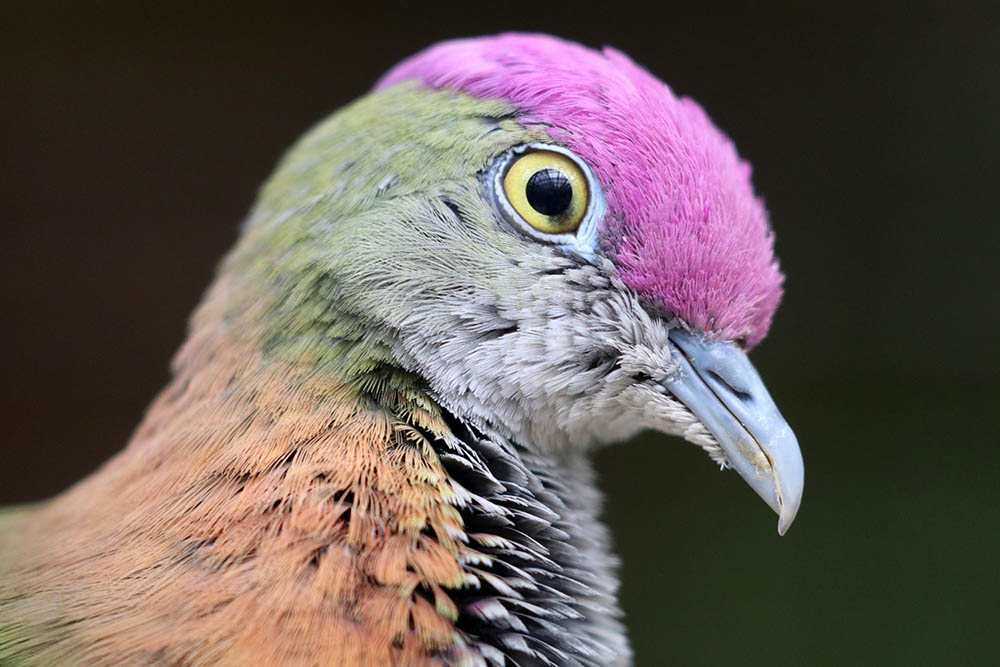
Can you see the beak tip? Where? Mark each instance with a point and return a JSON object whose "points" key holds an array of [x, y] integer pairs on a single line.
{"points": [[788, 510], [785, 522]]}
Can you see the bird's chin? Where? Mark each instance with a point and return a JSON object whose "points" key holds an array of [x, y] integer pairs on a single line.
{"points": [[717, 383]]}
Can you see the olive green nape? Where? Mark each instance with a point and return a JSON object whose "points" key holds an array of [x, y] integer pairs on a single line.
{"points": [[397, 142], [383, 155], [381, 145]]}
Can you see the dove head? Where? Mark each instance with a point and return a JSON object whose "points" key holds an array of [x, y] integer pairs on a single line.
{"points": [[544, 239]]}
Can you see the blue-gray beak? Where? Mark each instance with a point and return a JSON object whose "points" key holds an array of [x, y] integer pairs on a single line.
{"points": [[717, 382]]}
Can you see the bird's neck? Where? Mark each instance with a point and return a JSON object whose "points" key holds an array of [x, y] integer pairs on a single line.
{"points": [[338, 503]]}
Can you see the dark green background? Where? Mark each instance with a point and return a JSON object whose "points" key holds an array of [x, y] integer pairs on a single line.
{"points": [[134, 139]]}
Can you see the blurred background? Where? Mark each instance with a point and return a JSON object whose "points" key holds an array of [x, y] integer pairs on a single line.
{"points": [[134, 138]]}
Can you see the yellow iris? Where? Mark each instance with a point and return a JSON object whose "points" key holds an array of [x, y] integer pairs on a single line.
{"points": [[516, 186]]}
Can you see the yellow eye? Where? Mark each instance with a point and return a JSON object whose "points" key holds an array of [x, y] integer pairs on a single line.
{"points": [[548, 190]]}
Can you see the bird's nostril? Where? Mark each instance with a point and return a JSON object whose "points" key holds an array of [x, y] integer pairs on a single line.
{"points": [[740, 394]]}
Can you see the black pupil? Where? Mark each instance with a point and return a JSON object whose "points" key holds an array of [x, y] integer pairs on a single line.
{"points": [[549, 192]]}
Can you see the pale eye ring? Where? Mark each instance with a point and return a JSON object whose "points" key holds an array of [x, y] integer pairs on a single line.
{"points": [[549, 194]]}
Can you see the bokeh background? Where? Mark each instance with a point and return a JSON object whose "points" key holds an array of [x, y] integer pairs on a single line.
{"points": [[134, 137]]}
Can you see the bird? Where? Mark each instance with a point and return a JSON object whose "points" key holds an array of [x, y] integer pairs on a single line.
{"points": [[374, 446]]}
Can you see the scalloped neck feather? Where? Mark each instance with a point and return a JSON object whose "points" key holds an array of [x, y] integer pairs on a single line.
{"points": [[684, 227]]}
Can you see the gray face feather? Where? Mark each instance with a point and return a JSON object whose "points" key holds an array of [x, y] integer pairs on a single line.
{"points": [[564, 359]]}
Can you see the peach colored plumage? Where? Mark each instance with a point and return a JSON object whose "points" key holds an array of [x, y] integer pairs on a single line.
{"points": [[287, 522]]}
